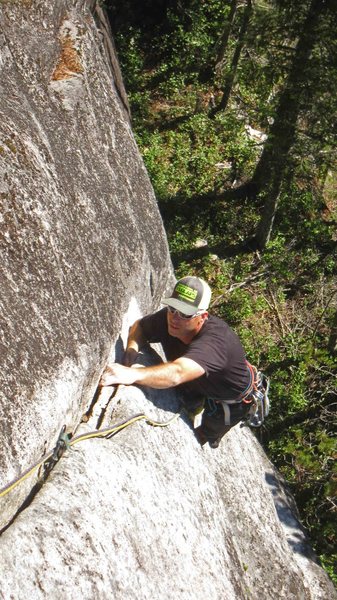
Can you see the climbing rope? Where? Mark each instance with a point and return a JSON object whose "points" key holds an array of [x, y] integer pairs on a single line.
{"points": [[65, 442]]}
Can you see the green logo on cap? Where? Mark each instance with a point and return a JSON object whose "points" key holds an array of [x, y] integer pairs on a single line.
{"points": [[186, 292]]}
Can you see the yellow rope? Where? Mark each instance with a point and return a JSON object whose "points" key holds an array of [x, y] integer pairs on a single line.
{"points": [[107, 432], [5, 490]]}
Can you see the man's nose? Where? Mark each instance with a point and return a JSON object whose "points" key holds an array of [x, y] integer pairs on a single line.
{"points": [[175, 317]]}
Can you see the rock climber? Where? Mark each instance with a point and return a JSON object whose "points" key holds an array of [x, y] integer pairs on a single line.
{"points": [[205, 359]]}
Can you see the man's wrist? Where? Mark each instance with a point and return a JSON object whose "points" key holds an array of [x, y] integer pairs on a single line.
{"points": [[133, 348], [130, 356]]}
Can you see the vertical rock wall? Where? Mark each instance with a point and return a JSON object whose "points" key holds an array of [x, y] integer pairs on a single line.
{"points": [[80, 232], [146, 514]]}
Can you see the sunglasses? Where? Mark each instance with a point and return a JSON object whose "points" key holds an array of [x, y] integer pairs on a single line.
{"points": [[181, 315]]}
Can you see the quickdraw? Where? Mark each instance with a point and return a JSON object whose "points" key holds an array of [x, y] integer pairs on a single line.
{"points": [[259, 399]]}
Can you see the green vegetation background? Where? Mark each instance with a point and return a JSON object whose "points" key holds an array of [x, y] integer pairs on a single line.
{"points": [[178, 61]]}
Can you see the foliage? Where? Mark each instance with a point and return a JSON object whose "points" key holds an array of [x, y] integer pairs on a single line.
{"points": [[193, 158], [282, 302]]}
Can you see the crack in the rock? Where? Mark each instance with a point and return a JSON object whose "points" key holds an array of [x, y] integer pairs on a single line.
{"points": [[48, 466]]}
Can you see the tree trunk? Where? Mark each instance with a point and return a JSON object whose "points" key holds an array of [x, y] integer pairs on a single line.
{"points": [[274, 162], [224, 39], [265, 225], [230, 77]]}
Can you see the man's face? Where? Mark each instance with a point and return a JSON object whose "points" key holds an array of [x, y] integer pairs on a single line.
{"points": [[184, 328]]}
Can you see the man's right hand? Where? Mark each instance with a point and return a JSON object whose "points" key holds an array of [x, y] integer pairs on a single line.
{"points": [[129, 357]]}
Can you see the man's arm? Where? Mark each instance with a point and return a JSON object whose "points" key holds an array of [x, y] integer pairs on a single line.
{"points": [[164, 375], [136, 339]]}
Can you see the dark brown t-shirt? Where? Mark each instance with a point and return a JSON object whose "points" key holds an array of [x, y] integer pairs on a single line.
{"points": [[216, 348]]}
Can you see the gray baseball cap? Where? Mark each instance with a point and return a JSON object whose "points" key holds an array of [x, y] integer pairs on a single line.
{"points": [[190, 295]]}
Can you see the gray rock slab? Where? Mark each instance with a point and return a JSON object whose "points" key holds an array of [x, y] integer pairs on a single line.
{"points": [[81, 237], [149, 514]]}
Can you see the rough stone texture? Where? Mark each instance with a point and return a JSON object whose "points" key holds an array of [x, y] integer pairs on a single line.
{"points": [[149, 514], [80, 231]]}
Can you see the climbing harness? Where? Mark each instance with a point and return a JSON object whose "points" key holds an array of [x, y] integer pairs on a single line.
{"points": [[65, 441], [255, 396]]}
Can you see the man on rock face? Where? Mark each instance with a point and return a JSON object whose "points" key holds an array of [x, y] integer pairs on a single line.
{"points": [[205, 359]]}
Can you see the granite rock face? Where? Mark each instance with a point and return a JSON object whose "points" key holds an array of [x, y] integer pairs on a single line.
{"points": [[146, 514], [80, 234], [149, 514]]}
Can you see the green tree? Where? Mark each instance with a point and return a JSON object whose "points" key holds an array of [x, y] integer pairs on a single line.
{"points": [[223, 42], [232, 70], [295, 99]]}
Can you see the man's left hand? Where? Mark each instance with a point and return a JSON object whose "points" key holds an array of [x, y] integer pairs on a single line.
{"points": [[115, 374]]}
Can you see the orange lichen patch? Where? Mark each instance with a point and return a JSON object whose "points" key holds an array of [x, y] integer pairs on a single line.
{"points": [[69, 62]]}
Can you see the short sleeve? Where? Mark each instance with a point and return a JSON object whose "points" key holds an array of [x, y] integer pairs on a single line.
{"points": [[154, 325]]}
